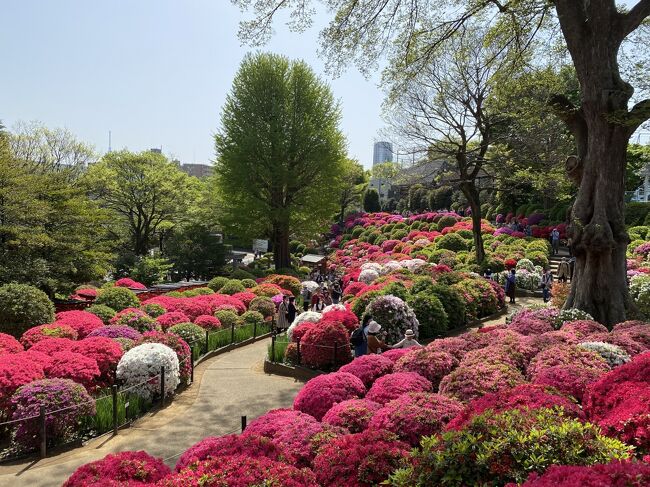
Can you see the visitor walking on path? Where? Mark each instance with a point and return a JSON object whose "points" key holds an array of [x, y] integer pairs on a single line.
{"points": [[547, 284], [409, 341], [511, 285], [291, 309], [336, 292], [283, 312], [555, 241], [563, 271]]}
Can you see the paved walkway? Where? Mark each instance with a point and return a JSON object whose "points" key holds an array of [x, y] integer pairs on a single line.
{"points": [[225, 388]]}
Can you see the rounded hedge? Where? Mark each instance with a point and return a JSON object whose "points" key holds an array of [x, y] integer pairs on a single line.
{"points": [[252, 318], [263, 305], [233, 286], [430, 313], [22, 307], [217, 283], [118, 298], [103, 312], [227, 318], [188, 331]]}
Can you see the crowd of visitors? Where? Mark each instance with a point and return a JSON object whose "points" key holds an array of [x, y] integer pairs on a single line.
{"points": [[369, 339]]}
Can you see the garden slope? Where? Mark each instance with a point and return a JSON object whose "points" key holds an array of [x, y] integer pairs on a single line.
{"points": [[225, 388]]}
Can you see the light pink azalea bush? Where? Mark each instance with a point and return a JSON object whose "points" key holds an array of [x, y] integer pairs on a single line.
{"points": [[428, 363]]}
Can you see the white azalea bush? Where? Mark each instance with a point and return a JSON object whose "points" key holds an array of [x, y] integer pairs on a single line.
{"points": [[334, 307], [525, 265], [571, 314], [394, 316], [613, 354], [367, 276], [310, 316], [640, 292], [524, 279], [390, 266], [413, 264], [141, 366], [373, 266]]}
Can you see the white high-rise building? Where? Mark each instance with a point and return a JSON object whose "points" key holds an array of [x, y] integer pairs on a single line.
{"points": [[382, 152]]}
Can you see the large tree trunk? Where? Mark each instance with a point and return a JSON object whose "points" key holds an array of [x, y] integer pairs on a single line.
{"points": [[599, 125], [281, 257], [472, 195]]}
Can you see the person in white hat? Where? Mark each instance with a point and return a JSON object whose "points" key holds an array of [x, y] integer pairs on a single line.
{"points": [[375, 343], [408, 341]]}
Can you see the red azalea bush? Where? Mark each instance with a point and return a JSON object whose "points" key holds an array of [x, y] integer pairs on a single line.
{"points": [[368, 368], [52, 345], [106, 352], [582, 328], [82, 322], [54, 394], [8, 344], [569, 379], [416, 414], [468, 382], [70, 365], [130, 283], [132, 468], [320, 393], [360, 459], [253, 446], [566, 355], [345, 317], [295, 431], [530, 326], [245, 297], [455, 346], [428, 363], [177, 344], [16, 370], [396, 354], [208, 322], [352, 414], [391, 386], [354, 288], [171, 318], [50, 330], [39, 358], [525, 396], [615, 474], [240, 471], [326, 344], [299, 331]]}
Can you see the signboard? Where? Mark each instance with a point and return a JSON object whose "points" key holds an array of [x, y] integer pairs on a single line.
{"points": [[260, 245]]}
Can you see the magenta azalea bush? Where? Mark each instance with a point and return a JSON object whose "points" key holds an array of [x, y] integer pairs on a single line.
{"points": [[353, 414], [369, 368], [428, 363], [320, 393], [391, 386], [416, 414], [566, 355], [468, 382], [615, 474]]}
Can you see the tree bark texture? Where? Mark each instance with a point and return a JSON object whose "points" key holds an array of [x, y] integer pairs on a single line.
{"points": [[602, 131], [281, 257], [471, 193]]}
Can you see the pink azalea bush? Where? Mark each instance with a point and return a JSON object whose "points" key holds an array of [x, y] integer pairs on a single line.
{"points": [[582, 328], [530, 326], [395, 354], [253, 446], [360, 459], [455, 346], [240, 471], [353, 414], [8, 344], [172, 318], [43, 332], [54, 394], [391, 386], [347, 318], [136, 319], [620, 339], [416, 414], [570, 379], [16, 370], [320, 393], [129, 283], [52, 345], [104, 351], [132, 468], [208, 322], [468, 382], [83, 322], [368, 368], [566, 355], [615, 474], [428, 363], [524, 396]]}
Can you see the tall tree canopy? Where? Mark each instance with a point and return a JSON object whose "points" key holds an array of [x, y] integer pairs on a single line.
{"points": [[279, 152], [353, 182], [601, 122], [145, 193]]}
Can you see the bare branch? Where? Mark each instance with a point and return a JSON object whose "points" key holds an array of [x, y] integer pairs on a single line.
{"points": [[630, 21]]}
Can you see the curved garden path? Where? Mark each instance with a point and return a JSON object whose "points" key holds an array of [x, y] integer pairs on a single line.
{"points": [[225, 388]]}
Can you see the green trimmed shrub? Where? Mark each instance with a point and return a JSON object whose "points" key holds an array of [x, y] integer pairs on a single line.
{"points": [[153, 309], [252, 317], [422, 284], [430, 314], [198, 291], [248, 283], [228, 318], [398, 234], [506, 448], [452, 241], [22, 307], [188, 332], [396, 289], [118, 298], [359, 305], [102, 311], [217, 283], [453, 303], [233, 286], [446, 221]]}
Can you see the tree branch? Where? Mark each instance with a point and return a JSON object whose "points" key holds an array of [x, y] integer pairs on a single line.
{"points": [[634, 18], [574, 119], [638, 114]]}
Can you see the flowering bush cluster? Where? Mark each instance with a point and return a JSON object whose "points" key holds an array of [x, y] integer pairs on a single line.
{"points": [[394, 315], [322, 392], [140, 368]]}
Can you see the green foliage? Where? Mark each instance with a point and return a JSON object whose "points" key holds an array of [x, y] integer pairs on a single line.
{"points": [[453, 241], [359, 305], [371, 201], [195, 251], [231, 287], [430, 314], [635, 213], [188, 331], [396, 289], [144, 184], [446, 221], [278, 151], [118, 298], [249, 283], [422, 284], [264, 305], [241, 274], [153, 309], [150, 270], [105, 313], [217, 283], [440, 198], [252, 317], [507, 448], [22, 307], [228, 318], [453, 303], [353, 182], [638, 157]]}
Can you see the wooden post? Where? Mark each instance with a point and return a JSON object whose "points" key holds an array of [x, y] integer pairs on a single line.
{"points": [[207, 336], [272, 347], [244, 422], [114, 394], [162, 386], [232, 333], [43, 432]]}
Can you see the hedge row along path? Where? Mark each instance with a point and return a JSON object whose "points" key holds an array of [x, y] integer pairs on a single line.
{"points": [[224, 389]]}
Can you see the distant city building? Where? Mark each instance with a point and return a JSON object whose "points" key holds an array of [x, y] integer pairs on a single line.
{"points": [[382, 186], [197, 170], [642, 193], [383, 152], [155, 150]]}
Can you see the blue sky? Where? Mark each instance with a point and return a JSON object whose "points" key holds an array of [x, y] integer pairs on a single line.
{"points": [[155, 73]]}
